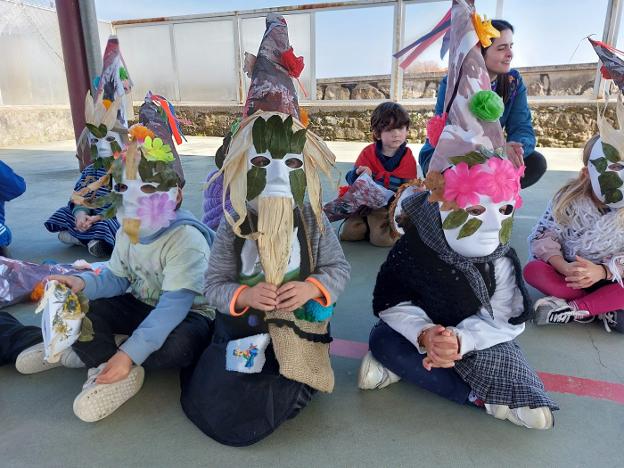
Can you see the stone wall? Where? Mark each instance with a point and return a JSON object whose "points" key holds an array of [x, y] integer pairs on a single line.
{"points": [[562, 124], [556, 80], [34, 124]]}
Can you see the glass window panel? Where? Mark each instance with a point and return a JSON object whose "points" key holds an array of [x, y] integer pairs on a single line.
{"points": [[252, 30], [206, 76], [32, 71], [147, 52]]}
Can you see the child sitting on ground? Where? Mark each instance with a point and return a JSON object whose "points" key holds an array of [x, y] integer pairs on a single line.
{"points": [[578, 244], [160, 257], [11, 186], [390, 163]]}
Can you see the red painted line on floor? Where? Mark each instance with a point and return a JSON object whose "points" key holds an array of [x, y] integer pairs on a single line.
{"points": [[558, 383]]}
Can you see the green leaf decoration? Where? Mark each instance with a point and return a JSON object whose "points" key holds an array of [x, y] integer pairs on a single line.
{"points": [[609, 181], [298, 141], [473, 158], [600, 164], [505, 232], [256, 181], [455, 219], [298, 185], [94, 156], [86, 330], [98, 132], [487, 105], [469, 228], [123, 73], [613, 196], [117, 169], [258, 133], [115, 148], [610, 152], [145, 170], [276, 138]]}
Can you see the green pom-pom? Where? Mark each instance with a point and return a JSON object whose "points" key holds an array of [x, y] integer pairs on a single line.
{"points": [[123, 73], [487, 105]]}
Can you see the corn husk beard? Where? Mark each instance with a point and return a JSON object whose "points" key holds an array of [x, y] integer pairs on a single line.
{"points": [[275, 228]]}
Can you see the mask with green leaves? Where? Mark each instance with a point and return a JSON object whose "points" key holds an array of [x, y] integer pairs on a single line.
{"points": [[275, 166], [606, 172]]}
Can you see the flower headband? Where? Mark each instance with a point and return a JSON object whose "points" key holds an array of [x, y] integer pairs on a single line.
{"points": [[481, 172]]}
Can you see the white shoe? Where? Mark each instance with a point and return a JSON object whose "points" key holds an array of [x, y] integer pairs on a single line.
{"points": [[373, 375], [533, 418], [96, 401], [66, 238], [553, 310], [31, 361], [97, 248]]}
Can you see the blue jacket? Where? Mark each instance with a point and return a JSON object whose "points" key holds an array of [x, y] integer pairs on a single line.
{"points": [[516, 119], [11, 186]]}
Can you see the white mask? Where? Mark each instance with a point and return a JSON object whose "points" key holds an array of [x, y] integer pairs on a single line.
{"points": [[155, 210], [278, 183], [606, 176], [103, 145], [487, 236]]}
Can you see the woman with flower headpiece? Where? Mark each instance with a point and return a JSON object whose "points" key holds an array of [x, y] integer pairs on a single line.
{"points": [[450, 296], [516, 117]]}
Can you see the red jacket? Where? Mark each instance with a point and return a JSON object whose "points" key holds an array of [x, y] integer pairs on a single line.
{"points": [[406, 169]]}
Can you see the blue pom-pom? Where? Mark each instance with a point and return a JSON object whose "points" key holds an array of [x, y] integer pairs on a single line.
{"points": [[316, 312]]}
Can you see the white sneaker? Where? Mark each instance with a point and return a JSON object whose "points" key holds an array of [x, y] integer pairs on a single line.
{"points": [[97, 248], [373, 375], [553, 310], [96, 401], [66, 238], [31, 361], [533, 418]]}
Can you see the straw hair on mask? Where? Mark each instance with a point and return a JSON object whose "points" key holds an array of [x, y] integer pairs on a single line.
{"points": [[275, 231], [317, 158]]}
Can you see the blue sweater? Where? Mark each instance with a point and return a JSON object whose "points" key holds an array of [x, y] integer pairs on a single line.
{"points": [[11, 186], [516, 119]]}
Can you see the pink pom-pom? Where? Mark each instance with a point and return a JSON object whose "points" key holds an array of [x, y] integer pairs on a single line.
{"points": [[434, 128]]}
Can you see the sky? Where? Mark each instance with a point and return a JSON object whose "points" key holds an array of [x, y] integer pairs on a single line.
{"points": [[359, 41]]}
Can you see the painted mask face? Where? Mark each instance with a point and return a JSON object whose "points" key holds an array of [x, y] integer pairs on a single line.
{"points": [[108, 145], [477, 230], [144, 210], [606, 173], [275, 163]]}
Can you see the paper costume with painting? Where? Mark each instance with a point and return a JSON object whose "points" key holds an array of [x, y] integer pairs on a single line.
{"points": [[276, 267], [450, 296]]}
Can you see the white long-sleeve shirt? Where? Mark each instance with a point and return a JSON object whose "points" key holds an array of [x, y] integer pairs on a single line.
{"points": [[479, 331]]}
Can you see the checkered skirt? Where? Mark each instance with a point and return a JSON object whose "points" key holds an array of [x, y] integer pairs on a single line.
{"points": [[501, 375]]}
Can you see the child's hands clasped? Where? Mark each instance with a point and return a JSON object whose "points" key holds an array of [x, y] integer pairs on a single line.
{"points": [[442, 347], [582, 273], [294, 294], [268, 297], [85, 221]]}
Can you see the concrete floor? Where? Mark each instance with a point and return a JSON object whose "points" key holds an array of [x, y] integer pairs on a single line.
{"points": [[398, 426]]}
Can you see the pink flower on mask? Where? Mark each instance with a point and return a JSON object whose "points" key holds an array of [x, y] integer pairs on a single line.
{"points": [[156, 211], [503, 182], [462, 184]]}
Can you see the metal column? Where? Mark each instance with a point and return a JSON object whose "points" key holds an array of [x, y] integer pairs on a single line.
{"points": [[74, 56], [396, 77]]}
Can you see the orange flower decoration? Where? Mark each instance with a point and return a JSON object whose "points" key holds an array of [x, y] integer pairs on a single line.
{"points": [[140, 132], [106, 103], [37, 292], [435, 184], [304, 118], [484, 29]]}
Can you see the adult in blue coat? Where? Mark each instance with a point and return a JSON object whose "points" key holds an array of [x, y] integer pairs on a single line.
{"points": [[11, 186], [516, 120]]}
